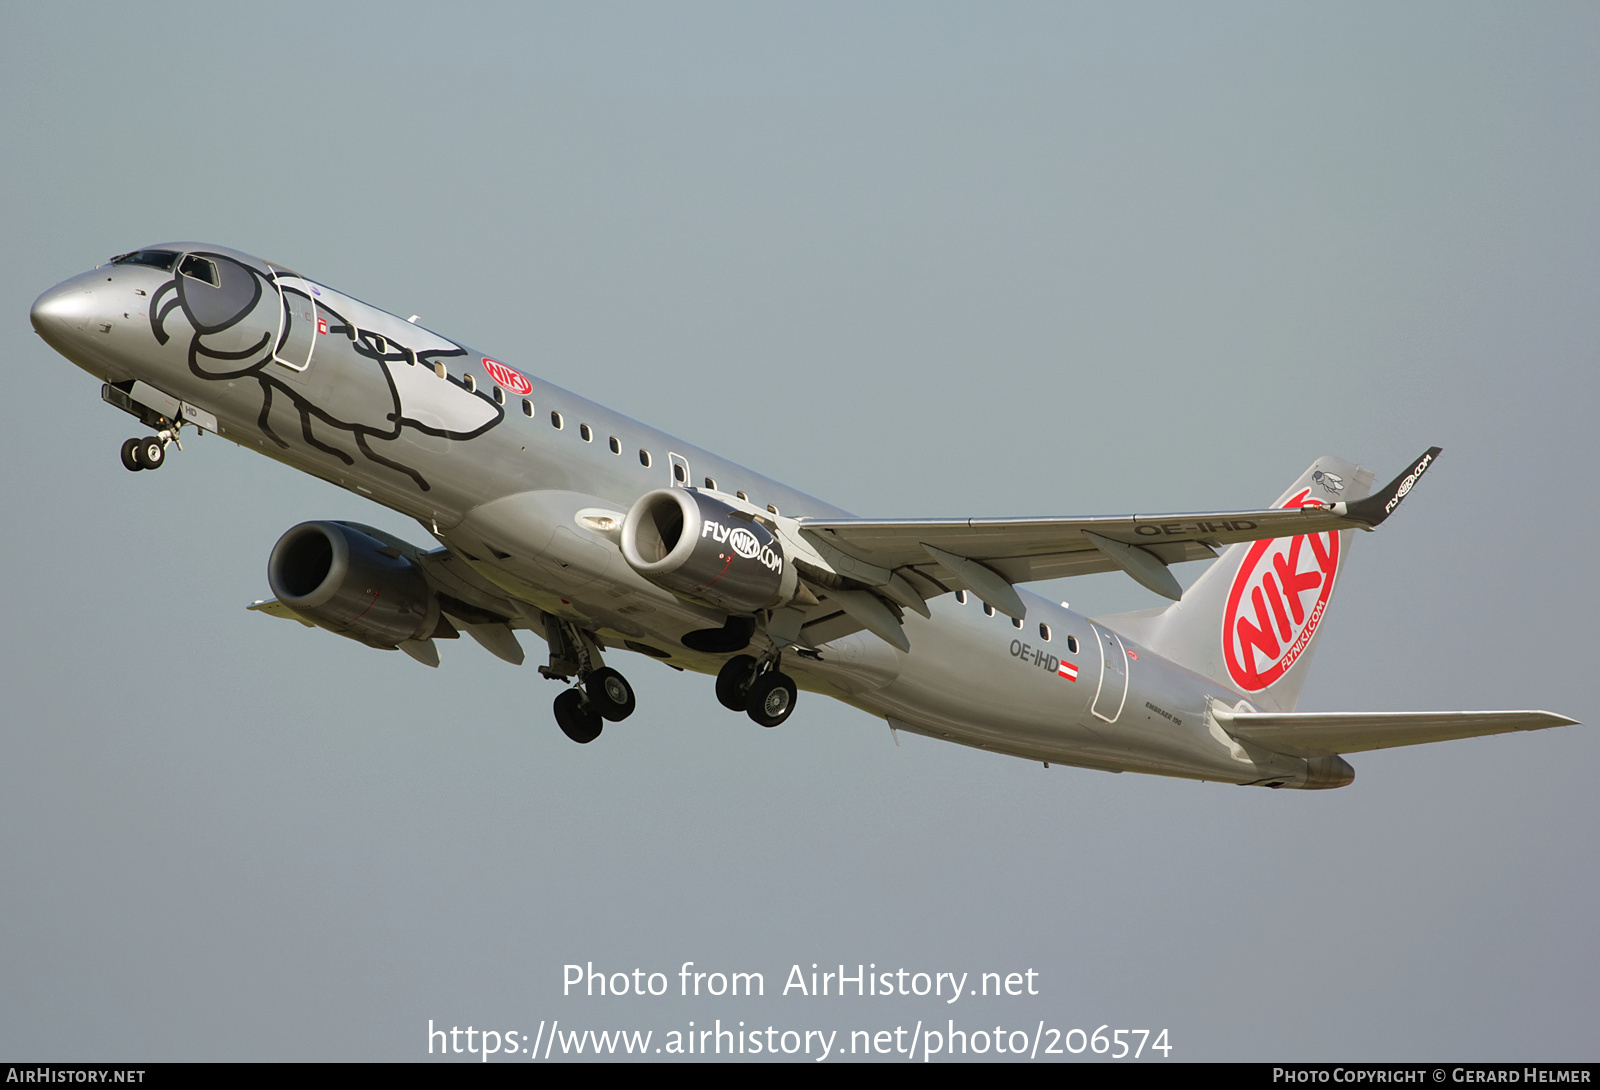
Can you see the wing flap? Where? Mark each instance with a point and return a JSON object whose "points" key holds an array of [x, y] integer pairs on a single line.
{"points": [[1323, 734]]}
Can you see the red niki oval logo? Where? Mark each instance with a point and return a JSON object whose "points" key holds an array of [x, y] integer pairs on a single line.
{"points": [[506, 377], [1276, 602]]}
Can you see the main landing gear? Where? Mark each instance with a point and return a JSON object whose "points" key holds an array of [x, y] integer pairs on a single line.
{"points": [[757, 688], [582, 711], [149, 452], [601, 695], [744, 684]]}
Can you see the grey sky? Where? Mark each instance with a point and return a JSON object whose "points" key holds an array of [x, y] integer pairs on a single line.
{"points": [[915, 259]]}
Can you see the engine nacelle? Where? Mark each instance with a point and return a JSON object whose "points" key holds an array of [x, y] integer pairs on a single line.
{"points": [[1326, 772], [341, 577], [702, 549]]}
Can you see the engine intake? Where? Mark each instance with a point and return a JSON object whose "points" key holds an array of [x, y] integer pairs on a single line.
{"points": [[342, 578], [704, 550]]}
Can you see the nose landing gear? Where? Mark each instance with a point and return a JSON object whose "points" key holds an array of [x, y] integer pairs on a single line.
{"points": [[149, 452]]}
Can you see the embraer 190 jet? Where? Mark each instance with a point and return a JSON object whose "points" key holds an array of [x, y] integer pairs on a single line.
{"points": [[555, 515]]}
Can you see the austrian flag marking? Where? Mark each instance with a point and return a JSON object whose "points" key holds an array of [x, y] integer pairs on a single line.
{"points": [[1276, 602], [505, 376], [1068, 671]]}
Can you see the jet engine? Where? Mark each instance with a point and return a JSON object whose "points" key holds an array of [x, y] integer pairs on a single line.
{"points": [[701, 548], [340, 576]]}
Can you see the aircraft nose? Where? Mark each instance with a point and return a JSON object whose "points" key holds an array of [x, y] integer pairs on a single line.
{"points": [[63, 310]]}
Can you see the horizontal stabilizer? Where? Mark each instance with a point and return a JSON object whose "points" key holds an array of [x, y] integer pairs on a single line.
{"points": [[1322, 734]]}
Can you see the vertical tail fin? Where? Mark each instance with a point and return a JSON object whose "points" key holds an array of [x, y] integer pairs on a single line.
{"points": [[1251, 621]]}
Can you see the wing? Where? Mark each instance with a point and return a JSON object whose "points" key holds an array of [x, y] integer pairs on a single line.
{"points": [[274, 608], [986, 555], [1321, 734]]}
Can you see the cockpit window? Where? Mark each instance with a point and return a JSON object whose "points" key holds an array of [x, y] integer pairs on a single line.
{"points": [[198, 268], [158, 259]]}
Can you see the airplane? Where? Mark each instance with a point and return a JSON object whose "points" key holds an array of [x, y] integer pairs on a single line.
{"points": [[554, 515]]}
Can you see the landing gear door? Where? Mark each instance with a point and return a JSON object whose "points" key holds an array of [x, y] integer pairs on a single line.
{"points": [[298, 320], [1113, 691]]}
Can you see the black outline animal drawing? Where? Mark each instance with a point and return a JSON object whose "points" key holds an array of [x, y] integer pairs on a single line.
{"points": [[225, 346]]}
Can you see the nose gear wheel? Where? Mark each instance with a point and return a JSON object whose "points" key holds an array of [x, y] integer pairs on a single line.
{"points": [[151, 453]]}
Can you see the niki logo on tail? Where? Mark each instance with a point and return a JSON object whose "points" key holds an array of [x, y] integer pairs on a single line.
{"points": [[1276, 602]]}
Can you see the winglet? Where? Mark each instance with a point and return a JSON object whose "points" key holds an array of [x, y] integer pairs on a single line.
{"points": [[1381, 504]]}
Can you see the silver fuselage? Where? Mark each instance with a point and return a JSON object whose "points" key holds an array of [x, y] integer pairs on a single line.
{"points": [[386, 408]]}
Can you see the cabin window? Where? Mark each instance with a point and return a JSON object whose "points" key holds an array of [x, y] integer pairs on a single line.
{"points": [[1016, 622], [583, 430], [616, 445], [470, 382], [961, 597], [742, 496], [527, 406], [644, 458], [198, 268], [678, 474], [555, 420], [379, 345], [988, 610], [440, 369], [499, 396], [1072, 644], [1044, 632], [771, 508], [711, 484]]}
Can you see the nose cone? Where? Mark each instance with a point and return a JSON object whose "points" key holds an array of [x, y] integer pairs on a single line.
{"points": [[62, 314]]}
